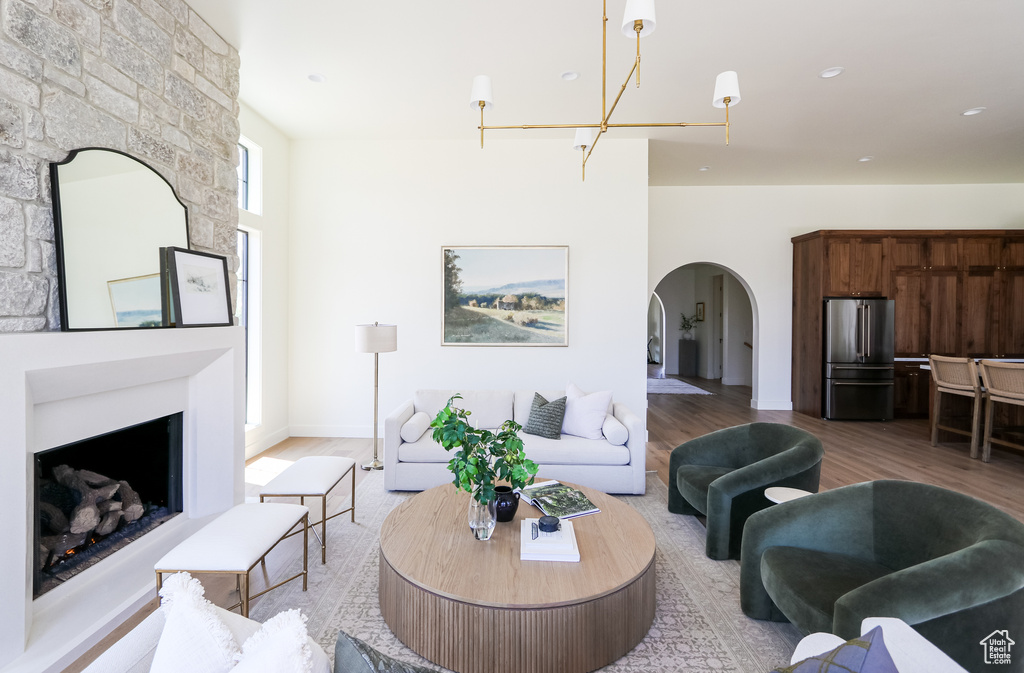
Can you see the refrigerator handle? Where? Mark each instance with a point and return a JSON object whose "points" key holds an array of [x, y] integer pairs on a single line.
{"points": [[860, 330], [868, 334]]}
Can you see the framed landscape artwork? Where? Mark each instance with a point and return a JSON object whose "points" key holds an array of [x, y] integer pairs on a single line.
{"points": [[136, 301], [505, 296]]}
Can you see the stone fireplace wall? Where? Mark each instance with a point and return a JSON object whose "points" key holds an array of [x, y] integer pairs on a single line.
{"points": [[146, 77]]}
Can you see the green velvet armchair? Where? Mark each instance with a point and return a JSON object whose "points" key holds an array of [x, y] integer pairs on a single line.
{"points": [[947, 564], [723, 475]]}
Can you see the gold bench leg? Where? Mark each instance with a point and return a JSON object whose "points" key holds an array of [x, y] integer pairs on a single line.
{"points": [[244, 579]]}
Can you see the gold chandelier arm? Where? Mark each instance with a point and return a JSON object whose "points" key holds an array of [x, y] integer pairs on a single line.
{"points": [[482, 104], [638, 26], [604, 123], [545, 126], [659, 124]]}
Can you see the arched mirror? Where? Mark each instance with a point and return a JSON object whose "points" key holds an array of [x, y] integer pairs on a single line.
{"points": [[112, 214]]}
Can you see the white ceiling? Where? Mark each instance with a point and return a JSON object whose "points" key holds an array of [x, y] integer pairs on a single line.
{"points": [[403, 69]]}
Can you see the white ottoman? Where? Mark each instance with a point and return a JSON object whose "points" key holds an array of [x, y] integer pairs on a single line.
{"points": [[235, 542], [314, 477]]}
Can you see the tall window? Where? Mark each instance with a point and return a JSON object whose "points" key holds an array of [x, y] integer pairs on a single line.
{"points": [[248, 304], [243, 177]]}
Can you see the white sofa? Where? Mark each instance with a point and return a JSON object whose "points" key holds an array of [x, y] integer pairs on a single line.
{"points": [[597, 463]]}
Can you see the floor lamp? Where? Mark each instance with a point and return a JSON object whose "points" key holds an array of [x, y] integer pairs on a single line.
{"points": [[376, 338]]}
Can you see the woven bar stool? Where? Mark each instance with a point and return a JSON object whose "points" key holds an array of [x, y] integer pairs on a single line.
{"points": [[956, 376], [1004, 382]]}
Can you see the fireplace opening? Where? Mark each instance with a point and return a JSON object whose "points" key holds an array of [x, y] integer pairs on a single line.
{"points": [[95, 496]]}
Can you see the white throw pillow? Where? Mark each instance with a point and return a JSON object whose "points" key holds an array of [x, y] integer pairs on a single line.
{"points": [[281, 645], [614, 431], [585, 414], [414, 428], [194, 639]]}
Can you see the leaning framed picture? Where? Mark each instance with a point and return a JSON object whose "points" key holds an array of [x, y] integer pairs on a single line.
{"points": [[505, 295], [136, 301], [199, 290]]}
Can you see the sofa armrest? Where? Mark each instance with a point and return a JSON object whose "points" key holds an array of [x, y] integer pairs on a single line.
{"points": [[636, 443], [393, 439]]}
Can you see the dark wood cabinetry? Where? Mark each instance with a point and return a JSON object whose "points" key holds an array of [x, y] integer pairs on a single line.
{"points": [[955, 293]]}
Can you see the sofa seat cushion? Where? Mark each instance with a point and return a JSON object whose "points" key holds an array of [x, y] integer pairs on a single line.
{"points": [[693, 481], [423, 450], [570, 450], [805, 584], [488, 408]]}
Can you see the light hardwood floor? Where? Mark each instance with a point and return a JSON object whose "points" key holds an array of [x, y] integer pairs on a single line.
{"points": [[854, 452]]}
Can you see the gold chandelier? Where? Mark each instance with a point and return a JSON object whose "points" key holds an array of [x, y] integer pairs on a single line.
{"points": [[639, 18]]}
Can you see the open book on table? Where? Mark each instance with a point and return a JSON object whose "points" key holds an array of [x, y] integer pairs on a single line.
{"points": [[556, 499]]}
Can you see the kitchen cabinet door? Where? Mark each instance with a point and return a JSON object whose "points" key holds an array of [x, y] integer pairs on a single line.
{"points": [[854, 267]]}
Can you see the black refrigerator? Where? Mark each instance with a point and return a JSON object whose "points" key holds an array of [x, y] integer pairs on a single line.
{"points": [[858, 359]]}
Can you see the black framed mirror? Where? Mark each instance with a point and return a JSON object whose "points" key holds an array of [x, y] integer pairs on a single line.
{"points": [[112, 213]]}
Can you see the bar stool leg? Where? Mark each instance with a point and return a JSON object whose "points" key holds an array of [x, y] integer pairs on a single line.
{"points": [[986, 449], [975, 426], [936, 405]]}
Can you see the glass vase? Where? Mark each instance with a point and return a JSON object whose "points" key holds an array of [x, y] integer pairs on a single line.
{"points": [[481, 518]]}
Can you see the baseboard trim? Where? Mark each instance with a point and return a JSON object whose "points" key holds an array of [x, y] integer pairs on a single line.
{"points": [[261, 444]]}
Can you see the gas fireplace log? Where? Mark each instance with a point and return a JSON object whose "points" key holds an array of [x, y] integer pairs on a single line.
{"points": [[132, 508], [86, 515], [109, 523], [59, 544], [110, 505], [95, 480], [53, 518]]}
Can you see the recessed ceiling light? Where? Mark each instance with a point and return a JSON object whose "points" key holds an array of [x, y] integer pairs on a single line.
{"points": [[866, 159], [570, 75], [317, 77], [829, 73], [704, 168], [973, 111]]}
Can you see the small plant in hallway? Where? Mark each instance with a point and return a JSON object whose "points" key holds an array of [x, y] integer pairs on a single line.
{"points": [[687, 324]]}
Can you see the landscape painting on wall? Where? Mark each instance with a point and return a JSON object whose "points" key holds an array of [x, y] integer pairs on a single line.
{"points": [[505, 296]]}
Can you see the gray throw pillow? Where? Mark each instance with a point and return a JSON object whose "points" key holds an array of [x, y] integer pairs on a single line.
{"points": [[352, 655], [545, 417]]}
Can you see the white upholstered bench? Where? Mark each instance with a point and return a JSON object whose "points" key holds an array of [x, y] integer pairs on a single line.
{"points": [[314, 477], [235, 542]]}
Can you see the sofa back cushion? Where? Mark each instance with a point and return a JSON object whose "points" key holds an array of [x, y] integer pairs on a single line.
{"points": [[488, 408]]}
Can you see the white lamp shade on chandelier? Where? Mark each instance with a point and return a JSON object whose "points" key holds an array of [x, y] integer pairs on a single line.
{"points": [[584, 139], [376, 338], [638, 10], [727, 85], [481, 93]]}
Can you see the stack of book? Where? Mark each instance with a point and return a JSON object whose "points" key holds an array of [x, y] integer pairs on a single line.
{"points": [[556, 499], [536, 545]]}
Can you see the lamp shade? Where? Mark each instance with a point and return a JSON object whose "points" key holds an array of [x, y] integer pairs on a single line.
{"points": [[481, 92], [376, 338], [642, 10], [584, 139], [727, 85]]}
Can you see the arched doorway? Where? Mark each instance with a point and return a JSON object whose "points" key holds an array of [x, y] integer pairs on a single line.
{"points": [[655, 338], [724, 324]]}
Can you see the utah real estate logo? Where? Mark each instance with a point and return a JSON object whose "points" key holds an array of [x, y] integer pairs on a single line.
{"points": [[997, 647]]}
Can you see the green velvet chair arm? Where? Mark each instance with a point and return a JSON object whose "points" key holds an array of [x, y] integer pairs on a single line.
{"points": [[735, 496], [714, 448], [936, 588], [838, 521]]}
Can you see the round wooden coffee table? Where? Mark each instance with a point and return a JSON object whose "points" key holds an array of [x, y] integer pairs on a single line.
{"points": [[474, 607]]}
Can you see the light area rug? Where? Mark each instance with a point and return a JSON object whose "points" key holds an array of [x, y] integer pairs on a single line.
{"points": [[698, 625], [673, 387]]}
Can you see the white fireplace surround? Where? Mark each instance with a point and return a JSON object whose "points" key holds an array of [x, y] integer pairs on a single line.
{"points": [[57, 388]]}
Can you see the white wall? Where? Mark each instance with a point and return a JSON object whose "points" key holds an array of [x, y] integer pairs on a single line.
{"points": [[738, 328], [368, 223], [748, 231], [273, 226]]}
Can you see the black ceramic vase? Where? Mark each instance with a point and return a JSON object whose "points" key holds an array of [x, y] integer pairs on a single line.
{"points": [[506, 502]]}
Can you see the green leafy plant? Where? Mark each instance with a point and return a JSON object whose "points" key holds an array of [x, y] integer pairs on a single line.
{"points": [[482, 457], [687, 324]]}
